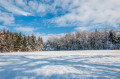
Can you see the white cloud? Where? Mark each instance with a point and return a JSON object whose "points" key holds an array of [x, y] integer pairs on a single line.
{"points": [[47, 36], [33, 5], [90, 27], [82, 28], [37, 7], [26, 30], [83, 12], [74, 12], [20, 2], [6, 18], [41, 8], [3, 27], [9, 6]]}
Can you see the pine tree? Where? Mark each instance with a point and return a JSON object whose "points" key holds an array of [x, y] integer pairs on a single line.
{"points": [[33, 42], [39, 45], [8, 41], [15, 37], [112, 37], [2, 41], [24, 44], [28, 48]]}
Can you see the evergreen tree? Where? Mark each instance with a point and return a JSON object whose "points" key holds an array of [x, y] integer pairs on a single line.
{"points": [[39, 45], [33, 42], [24, 44], [112, 37], [10, 41]]}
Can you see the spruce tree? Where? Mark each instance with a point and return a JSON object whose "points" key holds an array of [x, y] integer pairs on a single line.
{"points": [[33, 42], [24, 44], [39, 46]]}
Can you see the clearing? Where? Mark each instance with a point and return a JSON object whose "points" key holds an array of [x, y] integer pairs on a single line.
{"points": [[88, 64]]}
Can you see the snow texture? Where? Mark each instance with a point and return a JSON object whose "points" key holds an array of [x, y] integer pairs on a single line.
{"points": [[89, 64]]}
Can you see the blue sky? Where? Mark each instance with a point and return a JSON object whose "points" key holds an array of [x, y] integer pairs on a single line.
{"points": [[49, 18]]}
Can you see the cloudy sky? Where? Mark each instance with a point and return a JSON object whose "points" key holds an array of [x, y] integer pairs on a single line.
{"points": [[56, 17]]}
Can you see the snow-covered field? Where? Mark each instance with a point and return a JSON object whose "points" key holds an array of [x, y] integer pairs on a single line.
{"points": [[90, 64]]}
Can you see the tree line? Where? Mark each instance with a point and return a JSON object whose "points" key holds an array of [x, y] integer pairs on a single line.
{"points": [[81, 40], [13, 42]]}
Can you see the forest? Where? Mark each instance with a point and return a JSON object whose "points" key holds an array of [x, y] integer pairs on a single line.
{"points": [[15, 42], [80, 40]]}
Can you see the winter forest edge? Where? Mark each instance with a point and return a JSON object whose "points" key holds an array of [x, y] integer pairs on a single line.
{"points": [[80, 40]]}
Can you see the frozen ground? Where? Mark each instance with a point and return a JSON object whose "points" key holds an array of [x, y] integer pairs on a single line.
{"points": [[103, 64]]}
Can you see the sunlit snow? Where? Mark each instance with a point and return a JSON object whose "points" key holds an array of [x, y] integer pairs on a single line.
{"points": [[89, 64]]}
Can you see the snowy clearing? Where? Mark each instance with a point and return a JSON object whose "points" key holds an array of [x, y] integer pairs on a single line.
{"points": [[89, 64]]}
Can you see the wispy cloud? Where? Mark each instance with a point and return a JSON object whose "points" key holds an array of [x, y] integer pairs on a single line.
{"points": [[26, 30], [10, 6], [3, 27], [91, 27], [81, 13], [6, 18], [84, 12], [47, 36]]}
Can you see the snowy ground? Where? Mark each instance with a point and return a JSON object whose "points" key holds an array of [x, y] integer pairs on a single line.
{"points": [[103, 64]]}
